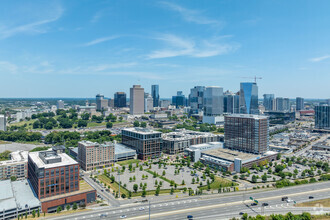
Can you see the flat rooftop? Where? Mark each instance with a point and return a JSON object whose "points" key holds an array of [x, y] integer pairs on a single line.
{"points": [[19, 155], [142, 130], [17, 194], [230, 154], [247, 116], [121, 148], [66, 160], [185, 135]]}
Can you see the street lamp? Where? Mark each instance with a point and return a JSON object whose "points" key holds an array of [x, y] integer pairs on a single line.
{"points": [[149, 209]]}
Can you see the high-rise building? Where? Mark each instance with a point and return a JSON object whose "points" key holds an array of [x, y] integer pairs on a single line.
{"points": [[248, 133], [92, 155], [3, 126], [101, 103], [146, 142], [148, 102], [230, 102], [300, 103], [282, 104], [269, 102], [322, 117], [179, 99], [213, 104], [196, 99], [286, 104], [60, 104], [136, 100], [120, 99], [155, 95], [248, 100], [328, 101]]}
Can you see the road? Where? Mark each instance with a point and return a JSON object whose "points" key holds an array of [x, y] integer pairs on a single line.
{"points": [[107, 196], [219, 206]]}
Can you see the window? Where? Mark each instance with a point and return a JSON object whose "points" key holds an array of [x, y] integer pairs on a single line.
{"points": [[47, 173], [57, 172], [62, 171], [52, 172], [76, 184]]}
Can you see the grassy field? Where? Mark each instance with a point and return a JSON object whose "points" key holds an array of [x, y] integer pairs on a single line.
{"points": [[127, 162], [323, 202], [22, 123], [217, 182]]}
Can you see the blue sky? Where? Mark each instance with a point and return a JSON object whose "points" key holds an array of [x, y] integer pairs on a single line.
{"points": [[81, 48]]}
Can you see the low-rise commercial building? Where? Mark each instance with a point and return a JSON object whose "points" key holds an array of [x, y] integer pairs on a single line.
{"points": [[123, 152], [92, 155], [146, 142], [17, 198], [15, 167], [231, 160], [178, 141], [194, 151], [280, 117]]}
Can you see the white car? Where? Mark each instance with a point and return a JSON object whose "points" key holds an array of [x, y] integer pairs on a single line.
{"points": [[123, 216], [141, 209]]}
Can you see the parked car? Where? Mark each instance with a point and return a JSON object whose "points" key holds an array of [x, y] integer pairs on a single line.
{"points": [[311, 197], [123, 216], [265, 204], [141, 209], [284, 198], [103, 215], [190, 217]]}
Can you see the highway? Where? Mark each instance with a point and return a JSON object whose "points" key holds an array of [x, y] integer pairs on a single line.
{"points": [[219, 206]]}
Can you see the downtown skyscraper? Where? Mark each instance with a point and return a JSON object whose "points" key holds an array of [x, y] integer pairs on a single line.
{"points": [[248, 100], [155, 95]]}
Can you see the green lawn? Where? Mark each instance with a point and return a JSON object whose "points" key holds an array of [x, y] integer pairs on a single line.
{"points": [[95, 124], [217, 182], [28, 123], [127, 162]]}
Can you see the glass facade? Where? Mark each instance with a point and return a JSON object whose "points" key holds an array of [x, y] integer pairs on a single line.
{"points": [[155, 95], [213, 101], [322, 117], [249, 98], [196, 99], [179, 99], [120, 99], [269, 102]]}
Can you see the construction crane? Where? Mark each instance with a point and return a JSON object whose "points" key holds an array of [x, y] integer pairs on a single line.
{"points": [[255, 78]]}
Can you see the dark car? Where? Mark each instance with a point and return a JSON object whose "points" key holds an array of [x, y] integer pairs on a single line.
{"points": [[285, 198], [145, 200], [190, 217], [311, 197], [103, 215], [254, 204], [241, 213], [265, 204]]}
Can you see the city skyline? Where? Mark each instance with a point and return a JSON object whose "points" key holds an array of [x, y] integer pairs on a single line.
{"points": [[57, 48]]}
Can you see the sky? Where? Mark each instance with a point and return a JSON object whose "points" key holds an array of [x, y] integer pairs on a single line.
{"points": [[81, 48]]}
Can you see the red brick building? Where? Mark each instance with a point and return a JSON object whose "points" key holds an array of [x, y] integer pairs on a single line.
{"points": [[54, 178]]}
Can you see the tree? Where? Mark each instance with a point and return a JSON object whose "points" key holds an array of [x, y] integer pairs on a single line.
{"points": [[49, 126], [254, 179], [34, 213], [38, 213], [172, 191], [264, 178], [135, 187], [235, 177], [59, 209], [143, 124], [123, 195], [183, 183], [164, 172], [157, 191], [112, 178], [278, 156], [25, 214], [109, 125], [68, 207], [136, 124], [13, 178], [74, 206]]}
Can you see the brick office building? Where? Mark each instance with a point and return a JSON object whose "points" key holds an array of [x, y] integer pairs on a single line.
{"points": [[146, 142], [54, 177]]}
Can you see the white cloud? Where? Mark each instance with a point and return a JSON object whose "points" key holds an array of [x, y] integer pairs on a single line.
{"points": [[35, 27], [318, 59], [7, 67], [99, 40], [193, 16], [187, 47]]}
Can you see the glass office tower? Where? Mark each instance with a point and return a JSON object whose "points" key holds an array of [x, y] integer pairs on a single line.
{"points": [[248, 99], [155, 95], [322, 117], [268, 102]]}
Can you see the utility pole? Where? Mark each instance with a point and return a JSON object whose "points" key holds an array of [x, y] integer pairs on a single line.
{"points": [[149, 209], [119, 183]]}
